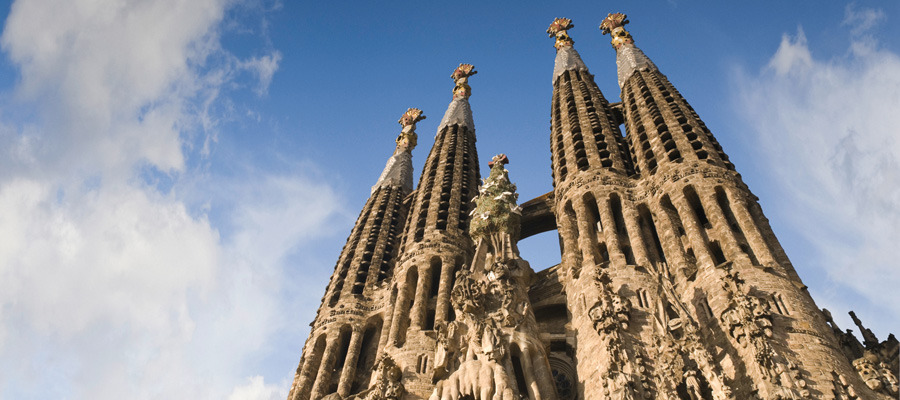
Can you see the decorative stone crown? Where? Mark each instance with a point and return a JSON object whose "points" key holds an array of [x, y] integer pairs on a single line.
{"points": [[614, 25], [461, 75], [407, 138], [558, 28]]}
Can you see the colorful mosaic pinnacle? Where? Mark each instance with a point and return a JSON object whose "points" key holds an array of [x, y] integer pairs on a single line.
{"points": [[407, 137], [461, 75], [558, 28], [614, 25]]}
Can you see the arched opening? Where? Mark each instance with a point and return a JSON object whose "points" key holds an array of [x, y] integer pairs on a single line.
{"points": [[542, 251], [342, 350], [595, 227], [314, 359], [650, 234], [694, 201]]}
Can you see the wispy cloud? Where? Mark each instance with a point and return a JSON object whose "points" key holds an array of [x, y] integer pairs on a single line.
{"points": [[112, 286], [826, 128]]}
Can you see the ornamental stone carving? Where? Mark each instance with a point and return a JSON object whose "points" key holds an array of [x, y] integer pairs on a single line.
{"points": [[461, 77], [611, 311], [877, 376], [495, 326], [387, 383]]}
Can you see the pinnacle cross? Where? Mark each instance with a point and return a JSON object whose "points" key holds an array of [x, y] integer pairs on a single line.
{"points": [[558, 28], [406, 141], [461, 75], [614, 25]]}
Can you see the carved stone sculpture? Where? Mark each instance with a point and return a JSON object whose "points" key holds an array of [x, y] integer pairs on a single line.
{"points": [[387, 383], [611, 311], [877, 377]]}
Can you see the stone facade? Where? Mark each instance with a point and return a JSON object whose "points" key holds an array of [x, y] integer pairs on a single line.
{"points": [[672, 284]]}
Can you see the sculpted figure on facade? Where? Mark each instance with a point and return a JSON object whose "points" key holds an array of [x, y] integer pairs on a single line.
{"points": [[619, 385], [386, 384], [447, 351], [680, 348], [611, 311], [749, 322]]}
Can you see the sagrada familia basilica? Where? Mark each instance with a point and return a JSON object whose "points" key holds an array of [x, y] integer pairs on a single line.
{"points": [[672, 284]]}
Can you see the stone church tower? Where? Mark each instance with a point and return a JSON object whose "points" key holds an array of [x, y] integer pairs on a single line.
{"points": [[672, 284]]}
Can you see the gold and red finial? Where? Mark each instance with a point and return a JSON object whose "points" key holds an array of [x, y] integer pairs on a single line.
{"points": [[407, 138], [500, 159], [614, 25], [558, 28], [461, 75]]}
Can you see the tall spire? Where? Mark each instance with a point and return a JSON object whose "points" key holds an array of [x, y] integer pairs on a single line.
{"points": [[435, 243], [398, 170], [584, 131], [629, 58], [340, 353], [459, 112], [566, 56]]}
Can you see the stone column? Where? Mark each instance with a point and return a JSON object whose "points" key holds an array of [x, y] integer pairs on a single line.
{"points": [[304, 376], [329, 356], [542, 370], [638, 247], [349, 372], [693, 230], [420, 301], [400, 307], [387, 321], [669, 237], [586, 241], [448, 270], [755, 238], [610, 232]]}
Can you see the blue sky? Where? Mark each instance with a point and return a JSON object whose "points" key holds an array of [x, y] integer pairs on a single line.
{"points": [[177, 177]]}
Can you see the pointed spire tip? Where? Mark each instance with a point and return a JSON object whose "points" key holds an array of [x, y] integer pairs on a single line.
{"points": [[559, 28], [407, 138], [614, 25], [461, 76]]}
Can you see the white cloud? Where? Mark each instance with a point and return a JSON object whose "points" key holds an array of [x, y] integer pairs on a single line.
{"points": [[827, 131], [111, 287], [111, 78], [264, 68], [861, 21], [257, 389]]}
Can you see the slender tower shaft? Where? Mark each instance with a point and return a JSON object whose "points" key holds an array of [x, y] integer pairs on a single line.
{"points": [[342, 347], [605, 238], [436, 243]]}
